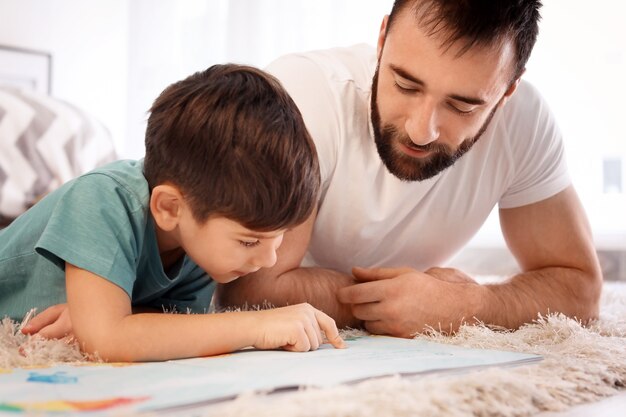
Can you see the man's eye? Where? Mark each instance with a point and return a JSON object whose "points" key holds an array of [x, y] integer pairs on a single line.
{"points": [[249, 244], [461, 111], [404, 88]]}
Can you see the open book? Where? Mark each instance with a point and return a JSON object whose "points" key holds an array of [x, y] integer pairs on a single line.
{"points": [[163, 386]]}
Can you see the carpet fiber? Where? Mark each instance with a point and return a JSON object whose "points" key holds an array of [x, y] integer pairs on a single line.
{"points": [[581, 364]]}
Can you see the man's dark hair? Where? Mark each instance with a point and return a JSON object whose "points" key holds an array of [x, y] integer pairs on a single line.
{"points": [[478, 23], [235, 144]]}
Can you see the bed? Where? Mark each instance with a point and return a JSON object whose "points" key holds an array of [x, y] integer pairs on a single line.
{"points": [[44, 141]]}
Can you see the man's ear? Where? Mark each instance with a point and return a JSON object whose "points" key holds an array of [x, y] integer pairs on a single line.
{"points": [[166, 203], [509, 92], [381, 36]]}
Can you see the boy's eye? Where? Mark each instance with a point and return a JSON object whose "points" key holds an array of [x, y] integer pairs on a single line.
{"points": [[249, 244]]}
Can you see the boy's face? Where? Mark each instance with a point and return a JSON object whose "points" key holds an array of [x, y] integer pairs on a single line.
{"points": [[225, 249]]}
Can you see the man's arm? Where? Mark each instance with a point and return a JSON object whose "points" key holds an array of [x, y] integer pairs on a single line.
{"points": [[552, 243], [287, 284]]}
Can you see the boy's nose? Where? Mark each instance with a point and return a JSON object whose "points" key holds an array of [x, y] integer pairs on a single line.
{"points": [[265, 257]]}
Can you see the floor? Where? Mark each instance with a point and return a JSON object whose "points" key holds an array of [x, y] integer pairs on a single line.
{"points": [[614, 406]]}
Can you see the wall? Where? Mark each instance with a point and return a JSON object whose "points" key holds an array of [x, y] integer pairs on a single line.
{"points": [[88, 43], [113, 57], [169, 40], [578, 65]]}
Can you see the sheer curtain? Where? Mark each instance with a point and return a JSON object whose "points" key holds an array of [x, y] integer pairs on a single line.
{"points": [[171, 39], [578, 64]]}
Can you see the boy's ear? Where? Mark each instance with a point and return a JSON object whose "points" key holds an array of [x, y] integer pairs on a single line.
{"points": [[166, 203]]}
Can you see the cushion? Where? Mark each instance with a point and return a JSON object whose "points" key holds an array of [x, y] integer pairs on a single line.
{"points": [[44, 142]]}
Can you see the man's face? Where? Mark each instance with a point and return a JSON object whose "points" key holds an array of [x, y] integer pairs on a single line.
{"points": [[430, 105]]}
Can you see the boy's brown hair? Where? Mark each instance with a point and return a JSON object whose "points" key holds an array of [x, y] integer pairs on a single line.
{"points": [[235, 144]]}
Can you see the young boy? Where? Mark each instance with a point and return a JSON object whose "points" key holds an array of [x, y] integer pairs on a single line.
{"points": [[229, 167]]}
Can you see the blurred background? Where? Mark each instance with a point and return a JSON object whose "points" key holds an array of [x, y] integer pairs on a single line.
{"points": [[113, 57]]}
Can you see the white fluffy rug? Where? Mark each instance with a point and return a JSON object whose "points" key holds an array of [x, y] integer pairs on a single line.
{"points": [[582, 364]]}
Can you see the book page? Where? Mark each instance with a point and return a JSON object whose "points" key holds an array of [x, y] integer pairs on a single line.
{"points": [[159, 386]]}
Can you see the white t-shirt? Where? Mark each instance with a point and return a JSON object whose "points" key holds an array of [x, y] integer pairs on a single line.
{"points": [[368, 217]]}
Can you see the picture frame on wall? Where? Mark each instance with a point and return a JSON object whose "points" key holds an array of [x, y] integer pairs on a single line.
{"points": [[26, 68]]}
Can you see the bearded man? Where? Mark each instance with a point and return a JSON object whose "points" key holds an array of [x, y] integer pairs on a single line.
{"points": [[418, 141]]}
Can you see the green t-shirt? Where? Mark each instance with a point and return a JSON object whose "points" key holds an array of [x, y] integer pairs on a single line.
{"points": [[99, 222]]}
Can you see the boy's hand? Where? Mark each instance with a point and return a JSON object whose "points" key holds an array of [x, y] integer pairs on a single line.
{"points": [[52, 323], [296, 328]]}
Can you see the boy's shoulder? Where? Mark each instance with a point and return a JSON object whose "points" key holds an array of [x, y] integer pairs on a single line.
{"points": [[123, 171], [118, 187], [127, 174]]}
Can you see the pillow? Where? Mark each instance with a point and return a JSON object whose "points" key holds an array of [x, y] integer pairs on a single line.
{"points": [[44, 142]]}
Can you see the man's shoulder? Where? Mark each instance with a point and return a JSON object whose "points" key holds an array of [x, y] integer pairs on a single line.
{"points": [[526, 99], [354, 63]]}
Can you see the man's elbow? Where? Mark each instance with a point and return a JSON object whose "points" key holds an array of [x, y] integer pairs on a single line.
{"points": [[247, 291], [589, 292]]}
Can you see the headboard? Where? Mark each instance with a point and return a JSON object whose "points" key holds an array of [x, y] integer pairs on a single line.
{"points": [[26, 68], [44, 141]]}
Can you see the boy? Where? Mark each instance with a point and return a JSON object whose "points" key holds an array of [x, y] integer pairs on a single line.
{"points": [[229, 167]]}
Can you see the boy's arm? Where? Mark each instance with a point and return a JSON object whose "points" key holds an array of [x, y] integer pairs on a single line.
{"points": [[103, 322], [54, 322], [286, 283]]}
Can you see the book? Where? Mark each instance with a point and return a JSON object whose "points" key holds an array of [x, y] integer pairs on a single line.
{"points": [[171, 385]]}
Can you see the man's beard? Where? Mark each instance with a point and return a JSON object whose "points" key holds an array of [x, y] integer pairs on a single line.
{"points": [[404, 166]]}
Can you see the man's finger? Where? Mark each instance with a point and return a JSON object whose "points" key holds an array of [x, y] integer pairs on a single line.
{"points": [[450, 275], [327, 324], [376, 327], [367, 311], [375, 274], [367, 292]]}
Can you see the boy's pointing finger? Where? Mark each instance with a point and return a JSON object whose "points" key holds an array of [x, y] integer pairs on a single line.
{"points": [[327, 324]]}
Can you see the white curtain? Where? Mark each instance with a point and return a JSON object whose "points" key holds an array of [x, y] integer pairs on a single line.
{"points": [[578, 64], [171, 39]]}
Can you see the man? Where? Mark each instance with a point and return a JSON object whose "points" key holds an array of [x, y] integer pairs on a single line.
{"points": [[418, 140]]}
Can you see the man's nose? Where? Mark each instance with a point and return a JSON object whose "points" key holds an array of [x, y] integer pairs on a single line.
{"points": [[422, 125]]}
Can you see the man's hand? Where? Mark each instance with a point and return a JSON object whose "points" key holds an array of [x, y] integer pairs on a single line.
{"points": [[52, 323], [295, 328], [403, 301]]}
